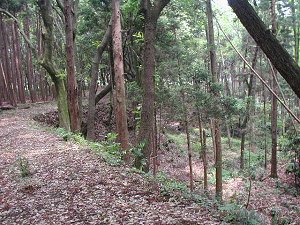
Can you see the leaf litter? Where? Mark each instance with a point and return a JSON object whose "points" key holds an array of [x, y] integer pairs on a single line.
{"points": [[69, 184]]}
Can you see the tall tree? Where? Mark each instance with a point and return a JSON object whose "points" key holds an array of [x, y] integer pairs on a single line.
{"points": [[249, 107], [73, 103], [213, 69], [6, 64], [151, 13], [93, 83], [47, 62], [18, 63], [120, 98], [274, 103], [29, 71]]}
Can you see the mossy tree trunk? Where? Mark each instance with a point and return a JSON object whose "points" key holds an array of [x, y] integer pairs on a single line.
{"points": [[71, 78], [45, 7]]}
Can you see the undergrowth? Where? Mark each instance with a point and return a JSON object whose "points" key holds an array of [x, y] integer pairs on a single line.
{"points": [[236, 214], [108, 150]]}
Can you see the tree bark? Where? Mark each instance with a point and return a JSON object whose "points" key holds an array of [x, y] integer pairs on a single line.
{"points": [[204, 159], [188, 141], [12, 54], [217, 129], [93, 99], [47, 62], [18, 62], [29, 72], [6, 66], [264, 38], [274, 103], [72, 88], [41, 71], [249, 107], [120, 98], [151, 15]]}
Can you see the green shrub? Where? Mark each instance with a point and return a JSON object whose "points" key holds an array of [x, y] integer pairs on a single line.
{"points": [[235, 214], [170, 185]]}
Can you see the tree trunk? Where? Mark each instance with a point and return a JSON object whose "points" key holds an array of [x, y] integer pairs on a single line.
{"points": [[93, 83], [155, 144], [204, 159], [120, 98], [264, 38], [188, 141], [217, 130], [41, 72], [249, 107], [151, 15], [12, 54], [29, 71], [274, 103], [6, 66], [73, 103], [18, 61], [47, 62], [265, 131]]}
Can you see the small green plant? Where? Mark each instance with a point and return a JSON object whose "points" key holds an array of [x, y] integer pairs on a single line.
{"points": [[170, 185], [235, 214], [137, 152], [23, 165], [112, 153], [66, 135]]}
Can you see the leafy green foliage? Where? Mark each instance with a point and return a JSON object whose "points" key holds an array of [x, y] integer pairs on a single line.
{"points": [[170, 185], [111, 150], [137, 151], [235, 214]]}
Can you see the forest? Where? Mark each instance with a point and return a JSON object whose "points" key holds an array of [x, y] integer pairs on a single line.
{"points": [[149, 112]]}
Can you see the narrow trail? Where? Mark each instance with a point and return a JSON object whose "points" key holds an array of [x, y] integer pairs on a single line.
{"points": [[72, 185]]}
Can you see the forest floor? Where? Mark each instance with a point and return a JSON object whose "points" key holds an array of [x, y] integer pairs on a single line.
{"points": [[71, 184]]}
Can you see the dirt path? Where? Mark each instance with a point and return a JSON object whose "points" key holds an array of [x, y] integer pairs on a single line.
{"points": [[71, 185]]}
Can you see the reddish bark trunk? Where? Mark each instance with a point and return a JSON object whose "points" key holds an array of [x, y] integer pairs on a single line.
{"points": [[29, 72], [6, 66], [71, 79], [120, 99], [17, 49]]}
